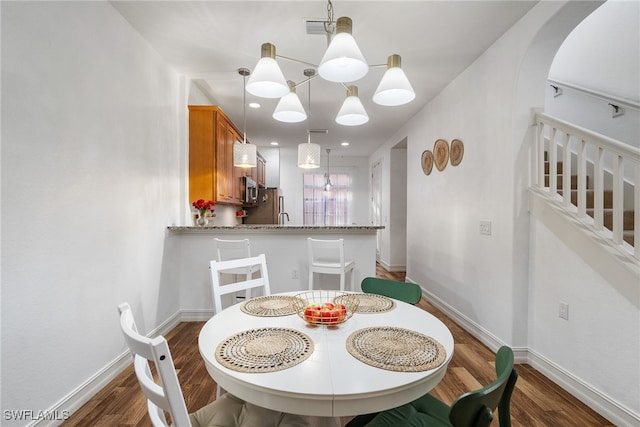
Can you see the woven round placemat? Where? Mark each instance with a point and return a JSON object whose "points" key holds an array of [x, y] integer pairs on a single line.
{"points": [[372, 303], [396, 349], [264, 350], [269, 306]]}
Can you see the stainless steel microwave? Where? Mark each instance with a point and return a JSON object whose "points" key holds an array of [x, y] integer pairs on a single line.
{"points": [[249, 190]]}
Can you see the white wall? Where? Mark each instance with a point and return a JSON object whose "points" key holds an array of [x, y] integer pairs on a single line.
{"points": [[595, 113], [485, 280], [600, 342], [92, 173], [397, 221], [606, 43]]}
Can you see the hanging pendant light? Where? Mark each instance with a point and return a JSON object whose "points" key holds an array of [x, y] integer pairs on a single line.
{"points": [[244, 155], [327, 183], [394, 88], [309, 153], [343, 62], [352, 112], [289, 108], [267, 80]]}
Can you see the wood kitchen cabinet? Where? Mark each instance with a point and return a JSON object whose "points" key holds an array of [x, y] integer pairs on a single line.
{"points": [[259, 172], [212, 175]]}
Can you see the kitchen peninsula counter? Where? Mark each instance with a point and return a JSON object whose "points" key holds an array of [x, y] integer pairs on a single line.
{"points": [[285, 248], [276, 227]]}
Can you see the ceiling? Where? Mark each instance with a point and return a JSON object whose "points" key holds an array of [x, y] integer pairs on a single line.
{"points": [[209, 40]]}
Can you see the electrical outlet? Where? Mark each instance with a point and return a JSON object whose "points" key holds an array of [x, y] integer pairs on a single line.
{"points": [[563, 311], [294, 274], [485, 227]]}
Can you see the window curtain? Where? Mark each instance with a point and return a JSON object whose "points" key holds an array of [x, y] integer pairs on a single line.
{"points": [[327, 207]]}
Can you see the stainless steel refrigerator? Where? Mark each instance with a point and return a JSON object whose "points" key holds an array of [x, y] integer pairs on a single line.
{"points": [[270, 209]]}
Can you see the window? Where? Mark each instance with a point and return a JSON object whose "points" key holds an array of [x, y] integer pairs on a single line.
{"points": [[326, 207]]}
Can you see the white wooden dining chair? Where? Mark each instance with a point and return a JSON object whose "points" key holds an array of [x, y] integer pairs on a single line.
{"points": [[327, 257], [234, 249], [221, 267], [165, 395]]}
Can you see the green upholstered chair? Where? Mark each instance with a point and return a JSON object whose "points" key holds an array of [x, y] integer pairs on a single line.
{"points": [[473, 409], [403, 291]]}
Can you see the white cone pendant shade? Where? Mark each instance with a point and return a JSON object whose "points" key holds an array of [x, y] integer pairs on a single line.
{"points": [[308, 156], [244, 155], [394, 88], [352, 112], [289, 108], [267, 80], [343, 61]]}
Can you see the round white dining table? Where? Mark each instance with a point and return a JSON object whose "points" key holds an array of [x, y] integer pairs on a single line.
{"points": [[330, 382]]}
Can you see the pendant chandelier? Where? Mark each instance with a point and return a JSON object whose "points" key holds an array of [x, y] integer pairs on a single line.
{"points": [[309, 153], [342, 62], [244, 154], [327, 176]]}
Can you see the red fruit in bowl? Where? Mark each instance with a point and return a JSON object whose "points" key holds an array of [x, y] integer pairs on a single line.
{"points": [[330, 316], [327, 306], [312, 313]]}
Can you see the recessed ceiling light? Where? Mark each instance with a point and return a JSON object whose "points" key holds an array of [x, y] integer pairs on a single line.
{"points": [[254, 105], [344, 144], [274, 143]]}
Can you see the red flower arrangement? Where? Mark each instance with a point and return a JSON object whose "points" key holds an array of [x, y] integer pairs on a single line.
{"points": [[201, 206]]}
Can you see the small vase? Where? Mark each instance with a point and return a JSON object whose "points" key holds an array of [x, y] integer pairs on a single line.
{"points": [[201, 221]]}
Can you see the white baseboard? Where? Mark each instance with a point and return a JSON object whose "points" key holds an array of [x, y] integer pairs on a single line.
{"points": [[85, 391], [196, 315], [392, 268], [590, 396]]}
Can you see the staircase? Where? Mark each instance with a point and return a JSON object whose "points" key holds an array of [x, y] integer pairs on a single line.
{"points": [[602, 176], [607, 199]]}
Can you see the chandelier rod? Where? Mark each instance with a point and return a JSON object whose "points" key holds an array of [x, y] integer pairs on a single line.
{"points": [[308, 72], [305, 81], [300, 61]]}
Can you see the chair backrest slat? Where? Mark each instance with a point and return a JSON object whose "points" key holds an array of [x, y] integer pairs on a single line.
{"points": [[232, 249], [403, 291], [166, 395], [326, 250], [220, 289]]}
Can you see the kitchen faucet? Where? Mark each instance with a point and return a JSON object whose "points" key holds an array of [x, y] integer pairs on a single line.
{"points": [[281, 216], [281, 213]]}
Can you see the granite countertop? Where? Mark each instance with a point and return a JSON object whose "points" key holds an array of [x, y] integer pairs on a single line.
{"points": [[275, 227]]}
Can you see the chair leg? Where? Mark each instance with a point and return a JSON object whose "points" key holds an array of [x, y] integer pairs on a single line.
{"points": [[247, 292], [342, 281], [219, 391], [353, 279], [310, 279]]}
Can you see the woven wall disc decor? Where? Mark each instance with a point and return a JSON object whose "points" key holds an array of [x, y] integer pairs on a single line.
{"points": [[264, 350], [269, 306], [456, 152], [441, 154], [396, 349], [427, 162]]}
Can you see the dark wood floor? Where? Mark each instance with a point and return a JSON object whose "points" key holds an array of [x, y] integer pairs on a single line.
{"points": [[536, 400]]}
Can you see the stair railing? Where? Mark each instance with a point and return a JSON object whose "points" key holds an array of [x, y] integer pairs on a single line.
{"points": [[589, 155]]}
